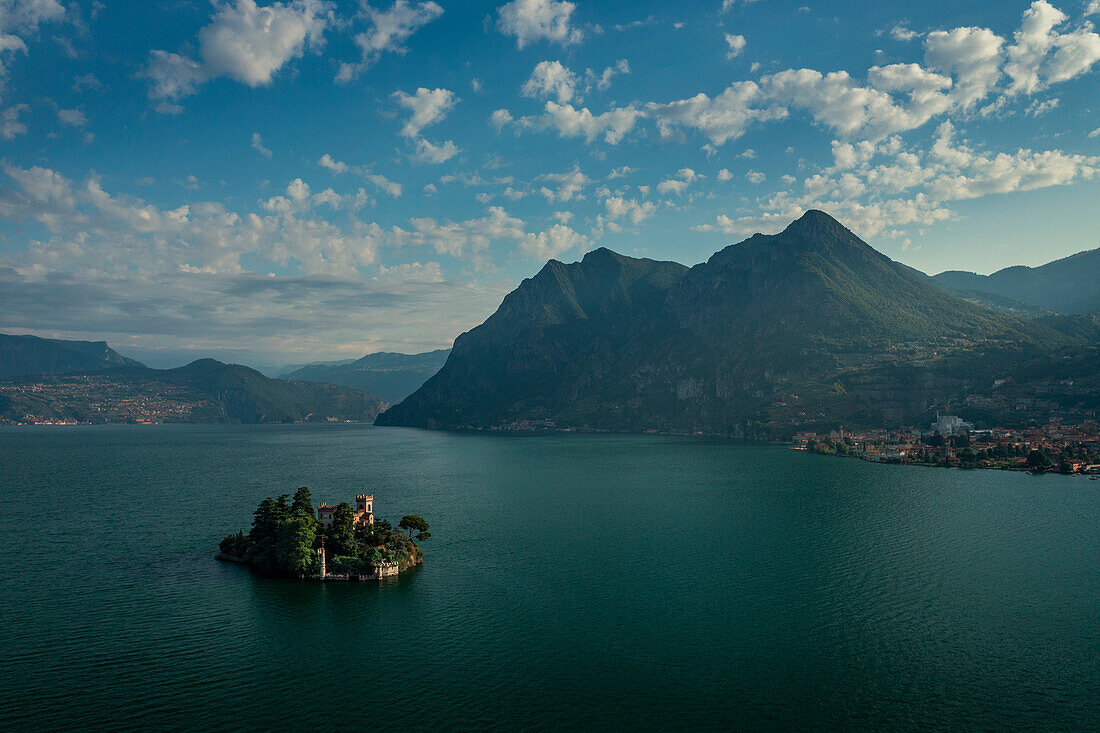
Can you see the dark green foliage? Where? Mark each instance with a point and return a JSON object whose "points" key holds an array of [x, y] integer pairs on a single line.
{"points": [[341, 535], [303, 502], [1038, 458], [294, 551], [285, 537], [412, 522]]}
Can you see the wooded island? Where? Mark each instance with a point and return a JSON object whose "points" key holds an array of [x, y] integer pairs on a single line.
{"points": [[290, 538]]}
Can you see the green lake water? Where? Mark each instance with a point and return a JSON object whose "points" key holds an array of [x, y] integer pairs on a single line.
{"points": [[581, 582]]}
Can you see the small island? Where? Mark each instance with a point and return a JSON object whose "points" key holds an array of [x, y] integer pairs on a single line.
{"points": [[290, 539]]}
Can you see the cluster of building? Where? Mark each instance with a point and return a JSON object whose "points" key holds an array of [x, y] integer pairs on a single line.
{"points": [[71, 400], [362, 514], [953, 441]]}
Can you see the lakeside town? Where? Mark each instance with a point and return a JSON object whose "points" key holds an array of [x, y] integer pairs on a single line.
{"points": [[951, 441]]}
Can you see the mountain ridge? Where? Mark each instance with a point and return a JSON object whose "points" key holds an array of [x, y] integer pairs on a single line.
{"points": [[22, 355], [806, 325]]}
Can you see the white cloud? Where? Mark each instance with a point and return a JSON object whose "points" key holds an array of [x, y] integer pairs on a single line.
{"points": [[381, 182], [755, 177], [470, 239], [389, 31], [429, 152], [678, 182], [258, 145], [602, 81], [327, 161], [10, 126], [901, 33], [721, 118], [736, 45], [613, 125], [972, 56], [637, 212], [19, 18], [1031, 64], [428, 106], [533, 20], [74, 117], [551, 79], [877, 188], [500, 118], [552, 242], [243, 41], [724, 175], [569, 184], [1096, 132]]}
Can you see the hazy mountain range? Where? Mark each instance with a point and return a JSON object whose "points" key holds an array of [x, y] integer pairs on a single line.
{"points": [[1068, 285], [810, 326], [390, 377], [203, 391]]}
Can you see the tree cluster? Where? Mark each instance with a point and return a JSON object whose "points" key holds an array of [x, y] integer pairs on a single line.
{"points": [[285, 537]]}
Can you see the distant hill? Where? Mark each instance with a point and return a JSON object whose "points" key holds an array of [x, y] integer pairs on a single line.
{"points": [[805, 328], [23, 355], [205, 391], [1070, 285], [388, 376]]}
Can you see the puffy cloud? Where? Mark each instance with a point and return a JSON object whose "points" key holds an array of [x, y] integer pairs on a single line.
{"points": [[428, 106], [470, 239], [877, 187], [243, 41], [637, 212], [569, 121], [551, 79], [755, 177], [568, 184], [736, 45], [901, 33], [533, 20], [429, 152], [678, 182], [389, 30], [722, 118], [500, 118], [551, 242], [1040, 55]]}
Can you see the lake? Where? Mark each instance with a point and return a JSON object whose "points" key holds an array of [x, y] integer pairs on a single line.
{"points": [[571, 581]]}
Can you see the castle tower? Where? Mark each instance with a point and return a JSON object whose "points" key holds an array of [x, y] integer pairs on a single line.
{"points": [[364, 508]]}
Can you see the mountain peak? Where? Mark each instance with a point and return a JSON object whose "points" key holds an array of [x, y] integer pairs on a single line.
{"points": [[815, 223]]}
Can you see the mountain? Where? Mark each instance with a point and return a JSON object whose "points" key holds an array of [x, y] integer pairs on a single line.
{"points": [[203, 391], [23, 355], [390, 377], [1070, 285], [810, 326]]}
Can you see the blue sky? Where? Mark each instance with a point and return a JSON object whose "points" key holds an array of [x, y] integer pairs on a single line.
{"points": [[282, 182]]}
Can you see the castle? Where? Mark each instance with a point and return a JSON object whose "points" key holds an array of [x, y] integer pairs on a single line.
{"points": [[363, 514]]}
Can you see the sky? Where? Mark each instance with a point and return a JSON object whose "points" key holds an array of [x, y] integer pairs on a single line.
{"points": [[283, 182]]}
